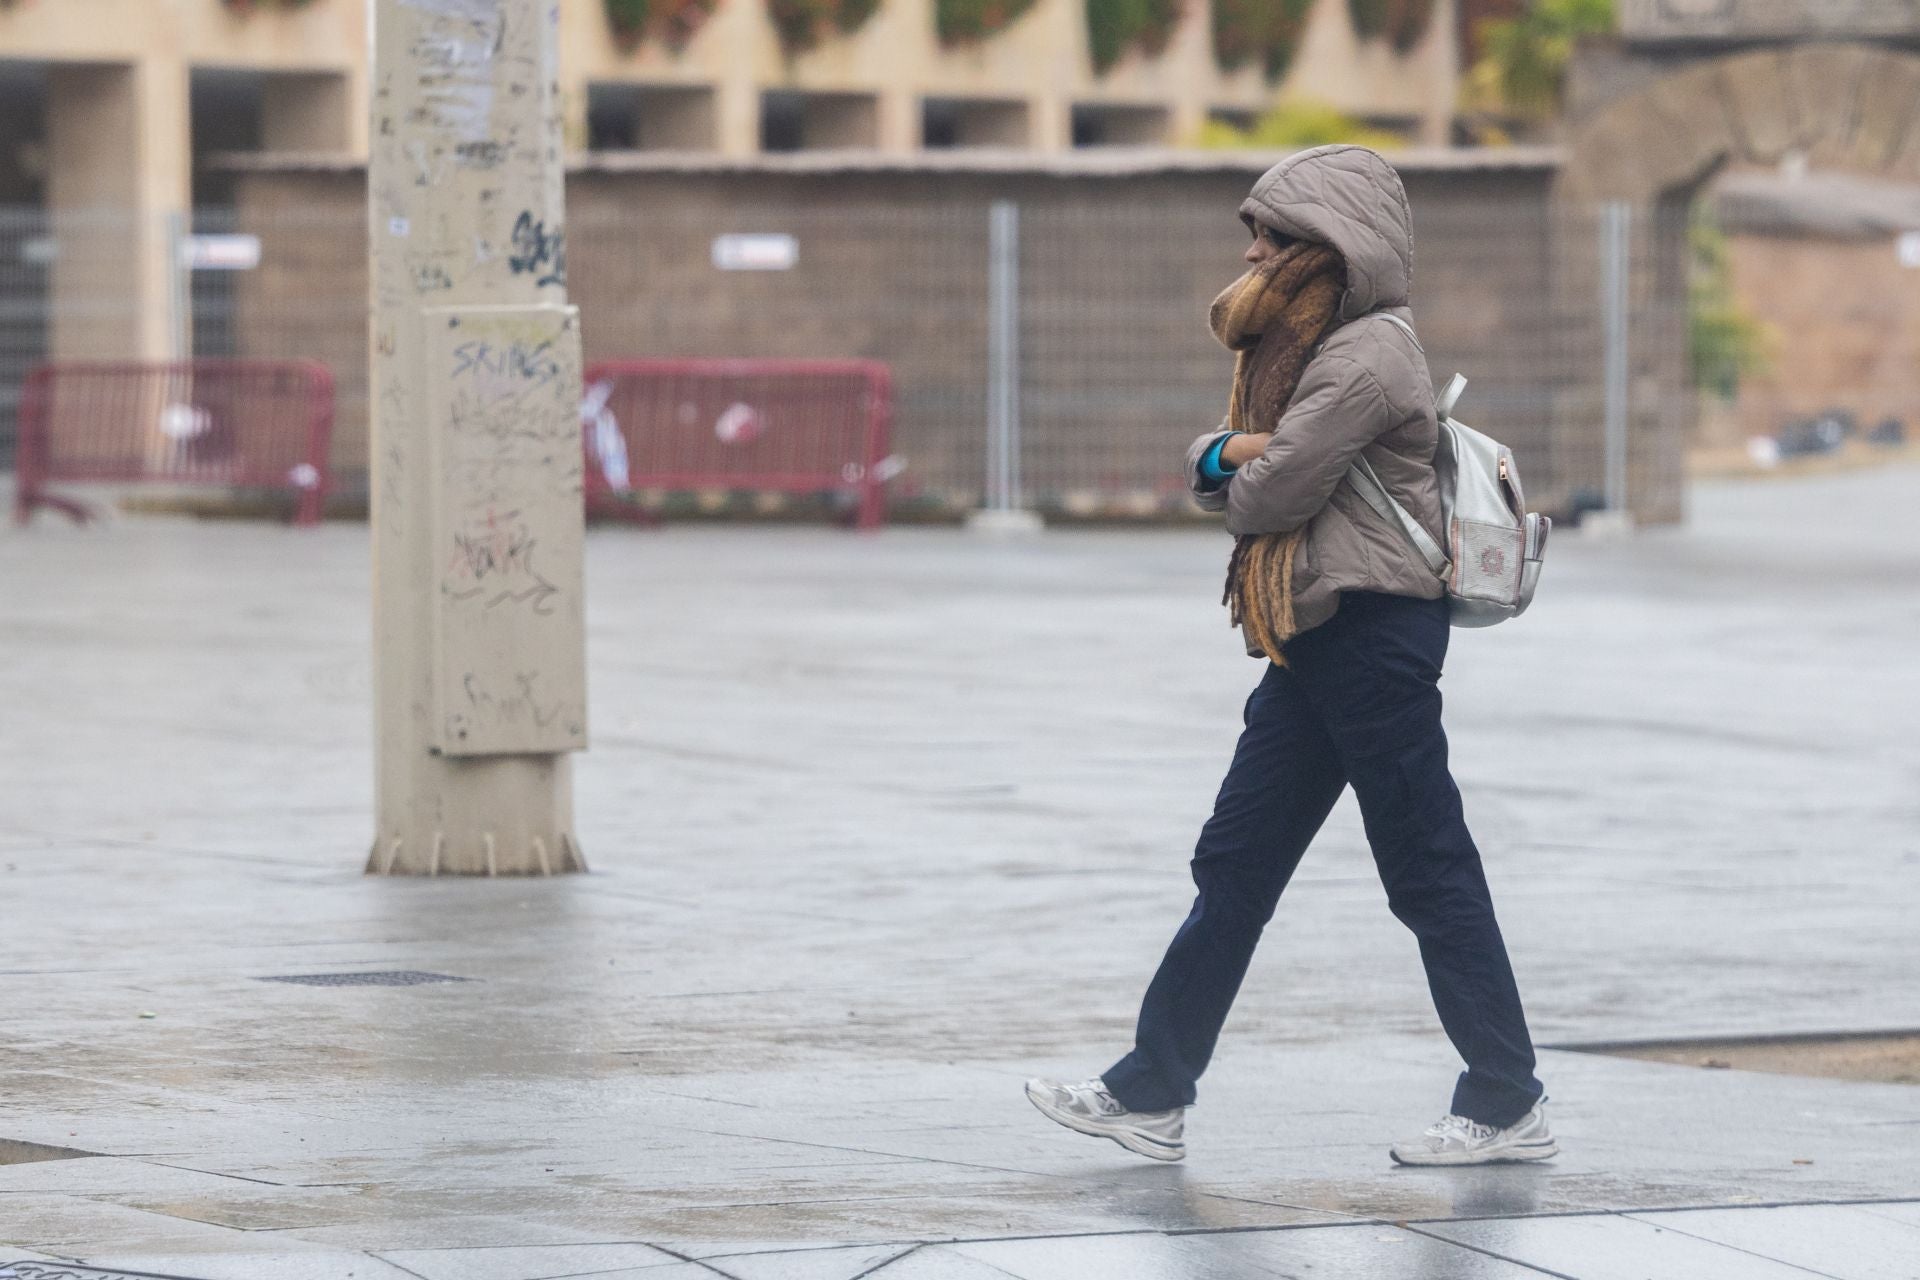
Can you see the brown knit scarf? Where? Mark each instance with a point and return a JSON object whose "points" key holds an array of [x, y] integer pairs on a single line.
{"points": [[1271, 318]]}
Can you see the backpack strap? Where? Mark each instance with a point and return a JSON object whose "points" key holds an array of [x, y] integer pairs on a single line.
{"points": [[1448, 397], [1367, 484], [1361, 476], [1407, 328]]}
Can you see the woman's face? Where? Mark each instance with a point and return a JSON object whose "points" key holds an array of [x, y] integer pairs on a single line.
{"points": [[1266, 244]]}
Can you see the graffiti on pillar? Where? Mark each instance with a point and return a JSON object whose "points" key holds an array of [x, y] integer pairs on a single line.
{"points": [[538, 251], [497, 558], [505, 452], [478, 463]]}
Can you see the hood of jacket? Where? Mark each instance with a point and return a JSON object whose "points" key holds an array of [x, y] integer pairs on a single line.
{"points": [[1350, 198]]}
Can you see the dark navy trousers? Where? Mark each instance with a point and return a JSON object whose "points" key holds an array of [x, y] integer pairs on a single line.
{"points": [[1357, 703]]}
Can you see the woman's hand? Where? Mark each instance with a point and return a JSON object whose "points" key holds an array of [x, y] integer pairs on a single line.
{"points": [[1243, 447]]}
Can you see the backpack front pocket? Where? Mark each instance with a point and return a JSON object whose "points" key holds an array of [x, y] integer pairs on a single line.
{"points": [[1488, 561]]}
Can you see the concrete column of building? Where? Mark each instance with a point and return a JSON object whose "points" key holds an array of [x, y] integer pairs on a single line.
{"points": [[1185, 121], [1192, 53], [477, 520], [736, 89], [574, 98], [899, 119], [117, 183], [736, 103], [1442, 55], [1050, 122]]}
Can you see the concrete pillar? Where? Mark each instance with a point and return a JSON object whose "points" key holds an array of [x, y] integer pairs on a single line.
{"points": [[1441, 55], [479, 649], [1050, 122], [1184, 122], [899, 131], [575, 104], [118, 171], [737, 114]]}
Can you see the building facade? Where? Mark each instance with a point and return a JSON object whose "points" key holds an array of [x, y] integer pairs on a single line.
{"points": [[114, 100], [111, 111]]}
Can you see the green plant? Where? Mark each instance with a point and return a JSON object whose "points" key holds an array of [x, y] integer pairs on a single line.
{"points": [[1400, 22], [1115, 26], [1266, 31], [671, 22], [971, 21], [803, 24], [1291, 126], [1725, 342], [1471, 15], [1523, 66]]}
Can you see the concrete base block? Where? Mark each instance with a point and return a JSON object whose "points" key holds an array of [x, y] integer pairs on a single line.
{"points": [[1599, 526], [996, 522]]}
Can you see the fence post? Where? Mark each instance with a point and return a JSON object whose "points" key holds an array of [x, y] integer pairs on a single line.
{"points": [[176, 230], [1000, 509], [1615, 266]]}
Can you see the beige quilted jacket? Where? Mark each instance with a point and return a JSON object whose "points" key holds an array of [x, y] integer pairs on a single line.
{"points": [[1367, 391]]}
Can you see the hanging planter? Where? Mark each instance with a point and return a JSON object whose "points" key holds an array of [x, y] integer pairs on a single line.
{"points": [[671, 23], [803, 24], [1472, 16], [1400, 23], [959, 22], [1266, 32], [1115, 26]]}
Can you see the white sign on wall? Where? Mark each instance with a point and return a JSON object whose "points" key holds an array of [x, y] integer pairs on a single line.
{"points": [[1908, 246], [220, 253], [770, 251]]}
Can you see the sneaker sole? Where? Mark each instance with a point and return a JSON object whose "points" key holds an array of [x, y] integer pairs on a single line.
{"points": [[1519, 1154], [1132, 1139]]}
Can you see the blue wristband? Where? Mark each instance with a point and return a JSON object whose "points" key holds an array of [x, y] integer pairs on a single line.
{"points": [[1212, 469]]}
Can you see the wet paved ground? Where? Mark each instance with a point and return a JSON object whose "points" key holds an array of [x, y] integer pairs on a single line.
{"points": [[880, 827]]}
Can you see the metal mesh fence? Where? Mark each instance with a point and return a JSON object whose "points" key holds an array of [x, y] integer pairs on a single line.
{"points": [[906, 286], [1114, 369], [79, 257]]}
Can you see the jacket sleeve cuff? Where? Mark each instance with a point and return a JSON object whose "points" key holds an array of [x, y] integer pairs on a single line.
{"points": [[1215, 472]]}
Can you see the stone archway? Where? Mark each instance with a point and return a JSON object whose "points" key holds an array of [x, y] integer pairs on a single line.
{"points": [[1843, 106], [1653, 147]]}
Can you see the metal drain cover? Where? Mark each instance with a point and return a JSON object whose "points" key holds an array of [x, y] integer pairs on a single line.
{"points": [[380, 978], [71, 1271]]}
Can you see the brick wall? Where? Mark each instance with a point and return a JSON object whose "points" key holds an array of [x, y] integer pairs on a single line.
{"points": [[1117, 269]]}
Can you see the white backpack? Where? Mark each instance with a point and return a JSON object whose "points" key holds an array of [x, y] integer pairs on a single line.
{"points": [[1491, 564]]}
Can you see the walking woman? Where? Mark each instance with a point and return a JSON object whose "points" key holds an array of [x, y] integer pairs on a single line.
{"points": [[1354, 625]]}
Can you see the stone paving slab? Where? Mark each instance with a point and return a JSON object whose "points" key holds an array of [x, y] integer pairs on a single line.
{"points": [[252, 1264], [1374, 1251], [814, 1264], [1616, 1248], [881, 826], [525, 1262], [1843, 1241]]}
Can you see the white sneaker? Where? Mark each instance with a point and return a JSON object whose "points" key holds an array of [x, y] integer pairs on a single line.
{"points": [[1458, 1140], [1088, 1108]]}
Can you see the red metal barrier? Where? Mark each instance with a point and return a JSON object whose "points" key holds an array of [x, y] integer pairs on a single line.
{"points": [[795, 426], [232, 423]]}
